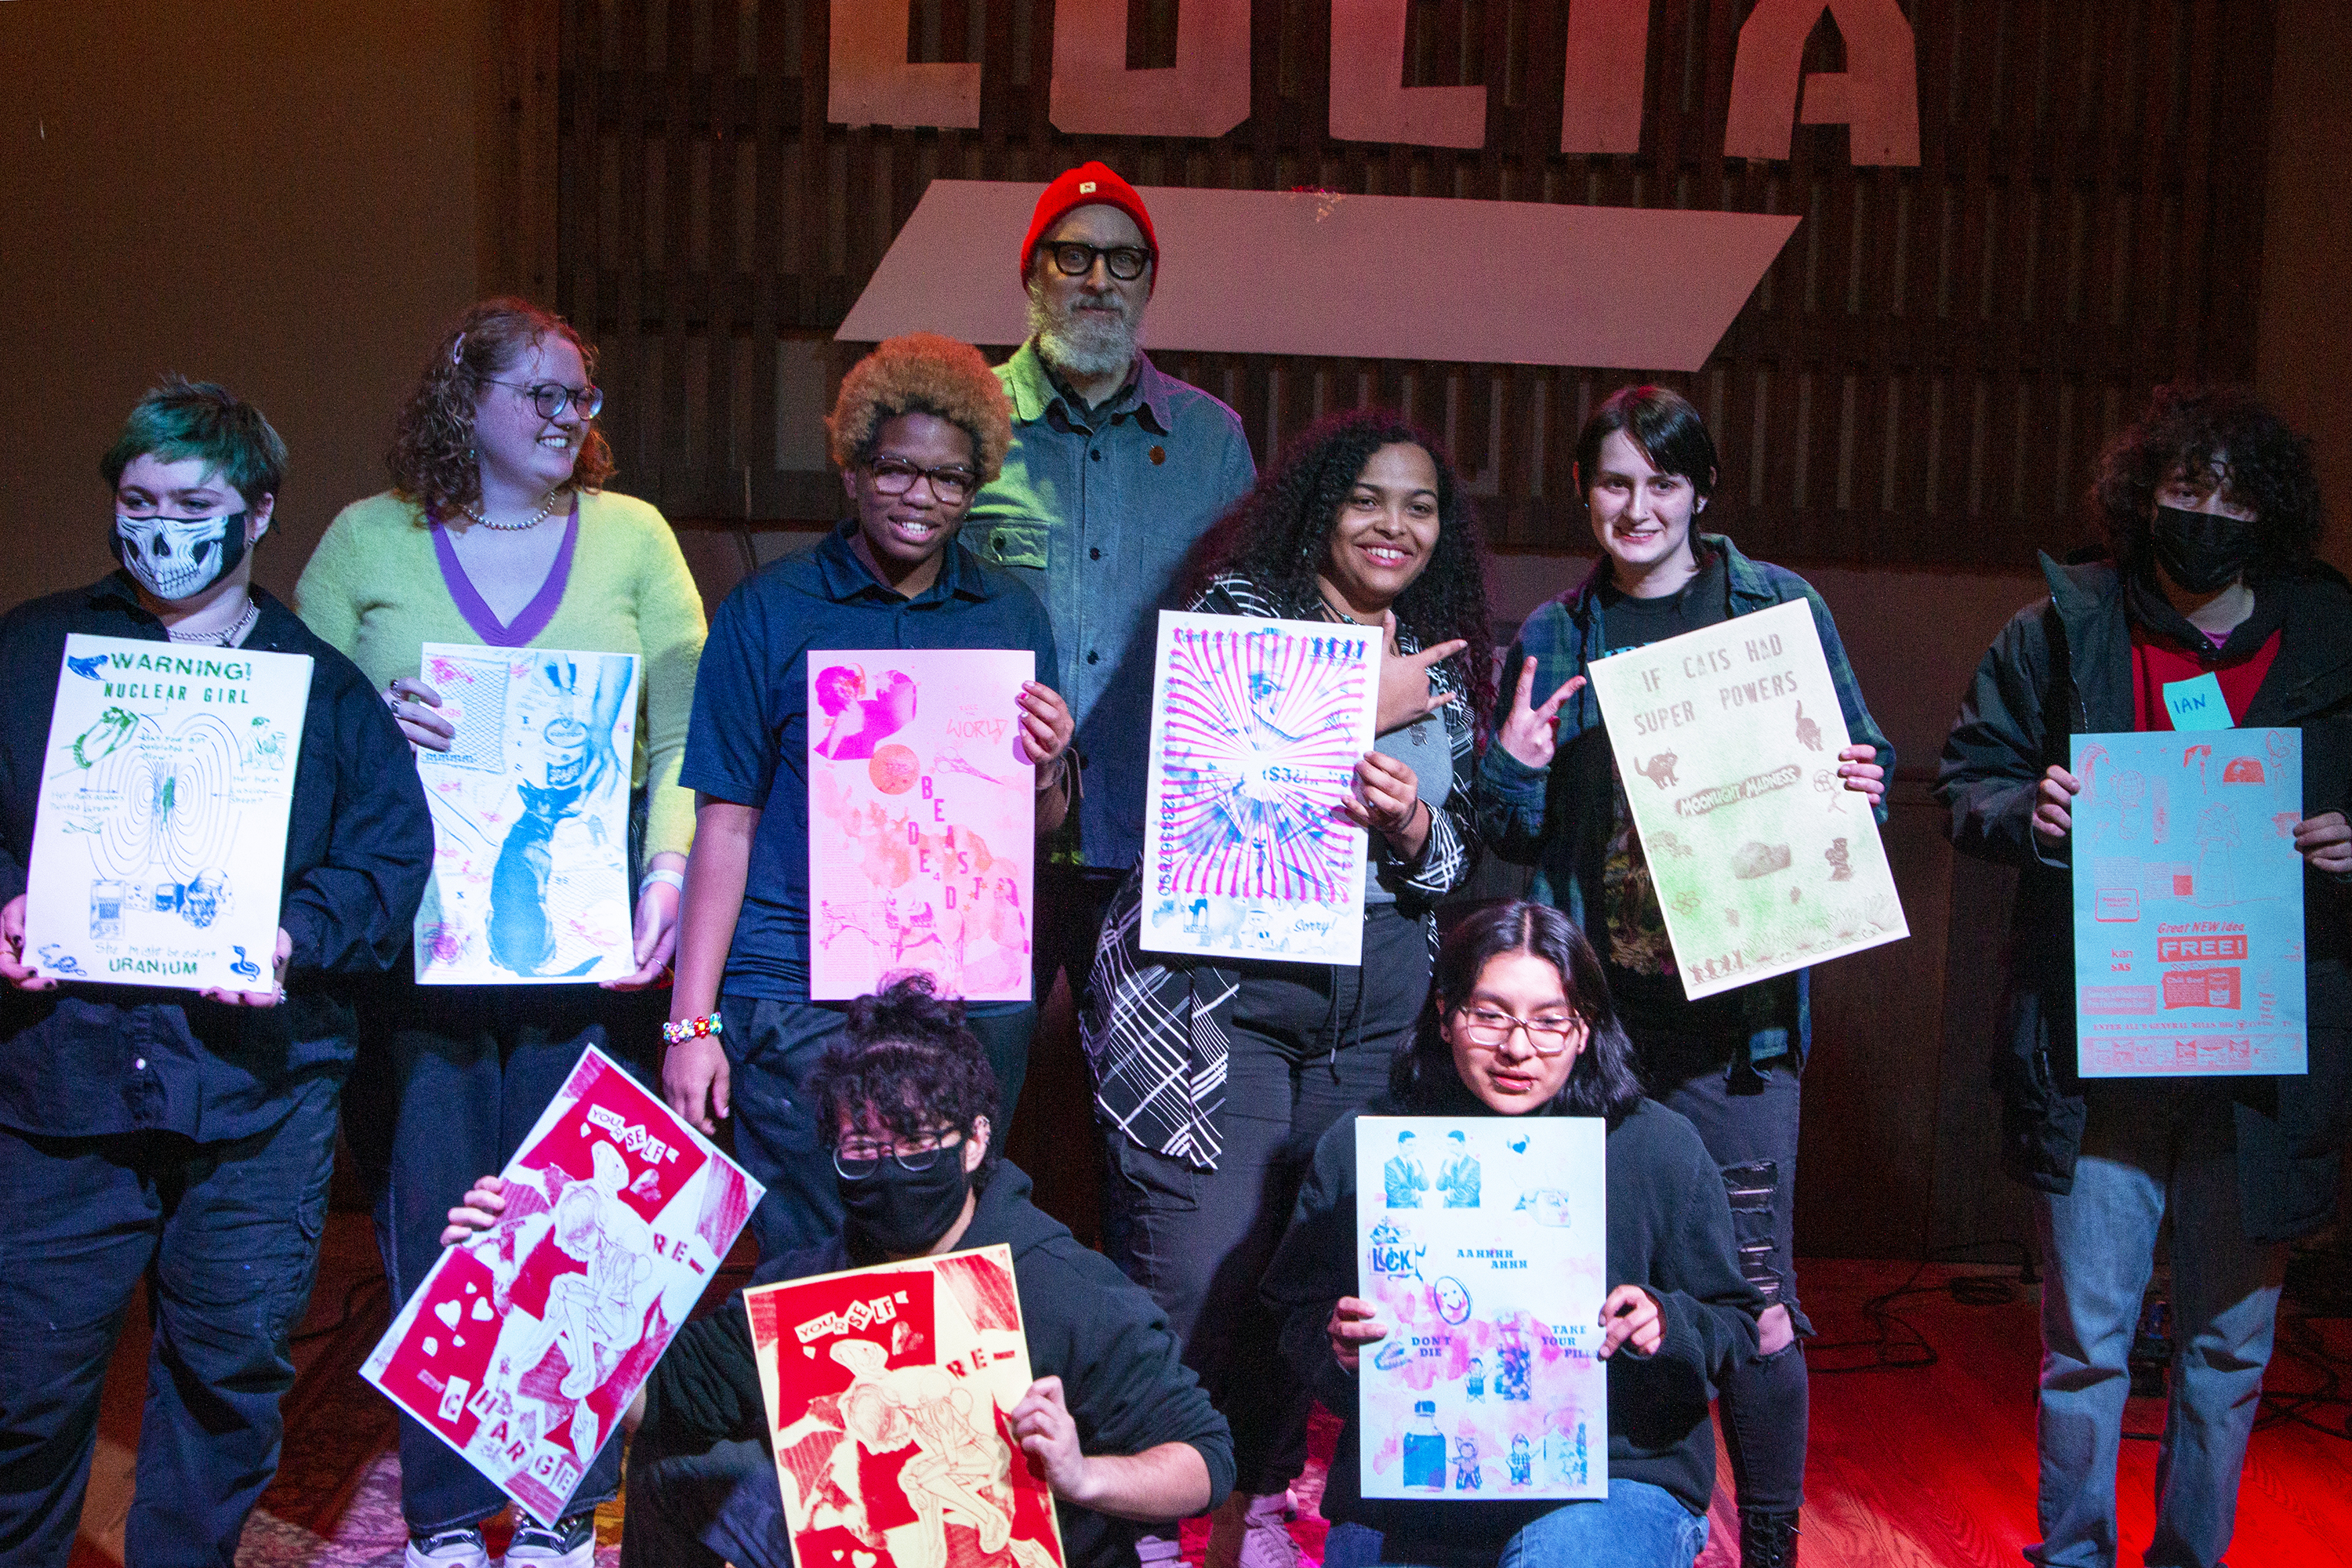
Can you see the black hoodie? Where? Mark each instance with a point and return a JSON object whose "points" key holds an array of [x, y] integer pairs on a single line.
{"points": [[1086, 1323]]}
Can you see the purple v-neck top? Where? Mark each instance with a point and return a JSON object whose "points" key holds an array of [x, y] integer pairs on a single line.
{"points": [[533, 618]]}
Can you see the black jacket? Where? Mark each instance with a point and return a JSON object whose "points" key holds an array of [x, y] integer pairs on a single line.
{"points": [[1086, 1323], [87, 1060], [2063, 668], [1669, 1232]]}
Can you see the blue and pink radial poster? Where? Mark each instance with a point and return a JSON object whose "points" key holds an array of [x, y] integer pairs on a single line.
{"points": [[2189, 946], [1257, 726]]}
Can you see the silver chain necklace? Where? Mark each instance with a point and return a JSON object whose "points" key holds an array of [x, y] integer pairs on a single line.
{"points": [[223, 640]]}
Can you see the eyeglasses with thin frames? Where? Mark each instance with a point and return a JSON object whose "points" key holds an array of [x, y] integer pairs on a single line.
{"points": [[1126, 262], [1490, 1027], [896, 477], [552, 397], [856, 1166]]}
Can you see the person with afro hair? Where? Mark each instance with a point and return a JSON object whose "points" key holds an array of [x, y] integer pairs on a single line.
{"points": [[920, 424], [2211, 509]]}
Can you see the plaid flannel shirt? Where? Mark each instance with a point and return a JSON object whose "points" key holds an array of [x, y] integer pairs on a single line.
{"points": [[1526, 814], [1155, 1025]]}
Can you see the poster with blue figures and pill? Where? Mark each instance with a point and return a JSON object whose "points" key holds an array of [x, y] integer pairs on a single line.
{"points": [[1482, 1247]]}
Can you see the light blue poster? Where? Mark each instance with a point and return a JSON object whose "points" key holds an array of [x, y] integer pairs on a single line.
{"points": [[2188, 903]]}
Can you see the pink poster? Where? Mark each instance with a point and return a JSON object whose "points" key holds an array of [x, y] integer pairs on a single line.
{"points": [[922, 821], [523, 1346], [889, 1393]]}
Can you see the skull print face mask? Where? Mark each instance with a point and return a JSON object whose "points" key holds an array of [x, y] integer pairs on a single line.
{"points": [[177, 558]]}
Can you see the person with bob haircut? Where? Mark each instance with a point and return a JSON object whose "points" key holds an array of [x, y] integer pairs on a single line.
{"points": [[499, 530], [1519, 1023], [1213, 1079], [181, 1139], [905, 1104], [918, 426], [2210, 512], [1551, 798]]}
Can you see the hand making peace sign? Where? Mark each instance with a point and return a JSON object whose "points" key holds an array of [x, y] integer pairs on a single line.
{"points": [[1531, 735], [1405, 696]]}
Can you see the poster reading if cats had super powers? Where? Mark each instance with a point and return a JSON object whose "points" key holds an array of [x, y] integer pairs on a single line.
{"points": [[1482, 1245]]}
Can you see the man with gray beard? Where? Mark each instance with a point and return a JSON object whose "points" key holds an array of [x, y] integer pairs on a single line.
{"points": [[1116, 470]]}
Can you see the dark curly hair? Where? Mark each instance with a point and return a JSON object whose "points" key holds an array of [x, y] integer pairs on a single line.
{"points": [[1602, 1083], [432, 456], [909, 1061], [2189, 424], [1279, 537]]}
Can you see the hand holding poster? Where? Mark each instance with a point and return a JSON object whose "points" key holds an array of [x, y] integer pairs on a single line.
{"points": [[158, 844], [922, 821], [889, 1394], [1482, 1244], [1726, 740], [2188, 903], [531, 817], [524, 1345], [1257, 726]]}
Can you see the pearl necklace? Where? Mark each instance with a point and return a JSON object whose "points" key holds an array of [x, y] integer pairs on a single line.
{"points": [[534, 521], [222, 639]]}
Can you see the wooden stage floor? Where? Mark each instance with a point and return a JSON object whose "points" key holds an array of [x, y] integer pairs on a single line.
{"points": [[1921, 1467]]}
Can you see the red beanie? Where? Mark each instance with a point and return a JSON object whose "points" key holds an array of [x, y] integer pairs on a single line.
{"points": [[1083, 186]]}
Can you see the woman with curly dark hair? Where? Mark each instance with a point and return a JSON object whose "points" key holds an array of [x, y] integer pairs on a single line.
{"points": [[1519, 1023], [1213, 1080], [1551, 797], [2211, 508], [498, 531]]}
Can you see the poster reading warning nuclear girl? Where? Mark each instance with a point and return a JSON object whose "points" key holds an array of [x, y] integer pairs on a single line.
{"points": [[1726, 740], [523, 1346], [889, 1396]]}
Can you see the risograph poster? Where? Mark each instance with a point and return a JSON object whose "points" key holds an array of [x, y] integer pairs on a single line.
{"points": [[531, 817], [1482, 1244], [2188, 956], [890, 1395], [1257, 726], [523, 1346], [922, 821], [1726, 741], [159, 841]]}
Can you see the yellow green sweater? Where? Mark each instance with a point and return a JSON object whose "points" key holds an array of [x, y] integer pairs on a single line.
{"points": [[373, 589]]}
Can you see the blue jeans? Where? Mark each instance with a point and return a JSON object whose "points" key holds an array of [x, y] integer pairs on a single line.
{"points": [[773, 1050], [2151, 1148], [1637, 1525], [226, 1235], [451, 1080]]}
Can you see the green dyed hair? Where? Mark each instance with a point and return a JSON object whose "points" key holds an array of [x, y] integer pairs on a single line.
{"points": [[182, 418]]}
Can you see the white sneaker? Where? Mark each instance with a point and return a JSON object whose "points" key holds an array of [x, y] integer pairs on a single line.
{"points": [[459, 1548], [1253, 1533], [572, 1543]]}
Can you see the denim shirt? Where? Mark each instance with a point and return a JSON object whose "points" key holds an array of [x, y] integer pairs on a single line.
{"points": [[1096, 511]]}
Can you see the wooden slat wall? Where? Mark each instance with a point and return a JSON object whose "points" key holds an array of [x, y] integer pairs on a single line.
{"points": [[1923, 378]]}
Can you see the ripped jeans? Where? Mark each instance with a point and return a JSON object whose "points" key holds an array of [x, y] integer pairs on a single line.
{"points": [[1747, 1116]]}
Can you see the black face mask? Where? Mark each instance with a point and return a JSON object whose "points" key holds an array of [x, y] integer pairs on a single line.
{"points": [[2200, 551], [901, 1212]]}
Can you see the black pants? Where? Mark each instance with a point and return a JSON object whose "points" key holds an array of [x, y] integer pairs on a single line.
{"points": [[226, 1235], [451, 1080], [1747, 1116], [1309, 1043]]}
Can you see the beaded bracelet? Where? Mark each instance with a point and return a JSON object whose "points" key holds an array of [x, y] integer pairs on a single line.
{"points": [[693, 1029]]}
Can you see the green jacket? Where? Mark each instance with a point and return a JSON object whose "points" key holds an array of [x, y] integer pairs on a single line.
{"points": [[2063, 668], [1534, 817]]}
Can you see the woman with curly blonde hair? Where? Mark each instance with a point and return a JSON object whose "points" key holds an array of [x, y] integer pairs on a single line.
{"points": [[498, 531], [920, 426]]}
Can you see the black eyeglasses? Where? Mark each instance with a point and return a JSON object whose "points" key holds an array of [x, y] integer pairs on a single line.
{"points": [[1545, 1037], [552, 397], [896, 477], [1126, 262], [857, 1164]]}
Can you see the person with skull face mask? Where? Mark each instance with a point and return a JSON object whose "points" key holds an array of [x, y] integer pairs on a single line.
{"points": [[180, 1138], [2211, 510], [1120, 1427]]}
